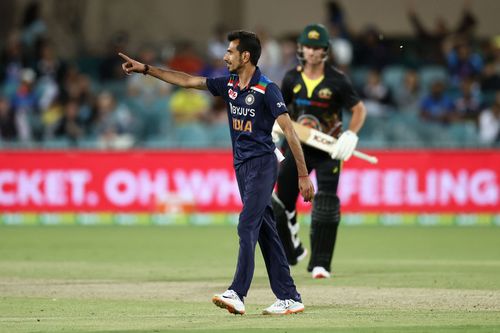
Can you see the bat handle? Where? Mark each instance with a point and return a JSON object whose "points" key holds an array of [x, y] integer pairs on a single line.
{"points": [[369, 158]]}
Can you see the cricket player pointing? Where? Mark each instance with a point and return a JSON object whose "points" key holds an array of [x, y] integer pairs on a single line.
{"points": [[316, 94], [253, 105]]}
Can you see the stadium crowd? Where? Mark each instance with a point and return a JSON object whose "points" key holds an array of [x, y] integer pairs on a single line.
{"points": [[438, 87]]}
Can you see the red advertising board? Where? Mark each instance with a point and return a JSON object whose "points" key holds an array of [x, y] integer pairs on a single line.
{"points": [[145, 181]]}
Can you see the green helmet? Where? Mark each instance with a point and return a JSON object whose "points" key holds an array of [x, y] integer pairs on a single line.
{"points": [[315, 35]]}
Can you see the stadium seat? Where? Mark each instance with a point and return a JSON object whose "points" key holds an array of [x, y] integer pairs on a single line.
{"points": [[56, 144], [160, 142], [191, 135], [464, 134], [219, 135], [429, 74], [358, 76], [393, 76]]}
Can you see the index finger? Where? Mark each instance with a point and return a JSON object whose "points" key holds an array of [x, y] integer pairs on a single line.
{"points": [[124, 56]]}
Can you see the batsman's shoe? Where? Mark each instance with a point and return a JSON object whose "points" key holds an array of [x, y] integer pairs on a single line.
{"points": [[284, 307], [319, 272], [231, 301]]}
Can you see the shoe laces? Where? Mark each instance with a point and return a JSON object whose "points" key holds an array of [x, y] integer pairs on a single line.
{"points": [[231, 294], [283, 303]]}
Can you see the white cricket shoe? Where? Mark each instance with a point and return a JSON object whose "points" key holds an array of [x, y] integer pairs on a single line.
{"points": [[231, 301], [319, 272], [284, 307]]}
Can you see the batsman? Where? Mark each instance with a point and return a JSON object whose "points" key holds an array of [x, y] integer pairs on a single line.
{"points": [[316, 93]]}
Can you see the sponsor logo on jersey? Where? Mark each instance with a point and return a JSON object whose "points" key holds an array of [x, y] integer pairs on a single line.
{"points": [[325, 93], [280, 104], [242, 125], [250, 99], [232, 94], [241, 111]]}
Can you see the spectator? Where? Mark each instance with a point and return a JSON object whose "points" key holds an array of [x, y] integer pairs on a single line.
{"points": [[408, 94], [376, 95], [189, 105], [462, 62], [24, 103], [216, 49], [8, 130], [341, 49], [111, 66], [270, 56], [113, 123], [33, 29], [12, 62], [490, 78], [144, 88], [71, 126], [217, 44], [50, 118], [489, 123], [288, 45], [468, 104], [336, 18], [430, 42], [437, 106], [371, 50], [78, 86], [50, 72], [186, 59]]}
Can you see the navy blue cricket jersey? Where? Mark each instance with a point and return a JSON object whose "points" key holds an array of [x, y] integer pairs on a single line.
{"points": [[251, 113]]}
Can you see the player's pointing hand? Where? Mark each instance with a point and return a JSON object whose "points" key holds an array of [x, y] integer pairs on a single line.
{"points": [[306, 188], [130, 65]]}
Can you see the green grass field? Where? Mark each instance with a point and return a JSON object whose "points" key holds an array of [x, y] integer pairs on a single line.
{"points": [[161, 279]]}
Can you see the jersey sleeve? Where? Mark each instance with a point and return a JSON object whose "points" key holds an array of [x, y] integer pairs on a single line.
{"points": [[217, 85], [350, 96], [274, 100]]}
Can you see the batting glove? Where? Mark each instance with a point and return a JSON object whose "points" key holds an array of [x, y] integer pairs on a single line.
{"points": [[345, 145]]}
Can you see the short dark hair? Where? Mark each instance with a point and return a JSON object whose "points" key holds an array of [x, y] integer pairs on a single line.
{"points": [[248, 42]]}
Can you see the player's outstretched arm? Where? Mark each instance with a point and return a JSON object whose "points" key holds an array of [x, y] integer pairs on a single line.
{"points": [[177, 78], [305, 185]]}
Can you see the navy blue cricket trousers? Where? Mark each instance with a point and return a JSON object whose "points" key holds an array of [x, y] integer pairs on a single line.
{"points": [[256, 179]]}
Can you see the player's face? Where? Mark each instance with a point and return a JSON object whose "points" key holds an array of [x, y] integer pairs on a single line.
{"points": [[313, 55], [233, 58]]}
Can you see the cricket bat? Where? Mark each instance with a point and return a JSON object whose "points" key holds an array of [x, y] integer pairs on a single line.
{"points": [[320, 140]]}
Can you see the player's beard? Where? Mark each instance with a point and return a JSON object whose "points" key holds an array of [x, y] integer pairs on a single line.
{"points": [[237, 68]]}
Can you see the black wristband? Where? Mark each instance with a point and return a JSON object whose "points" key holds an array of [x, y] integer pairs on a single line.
{"points": [[146, 69]]}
